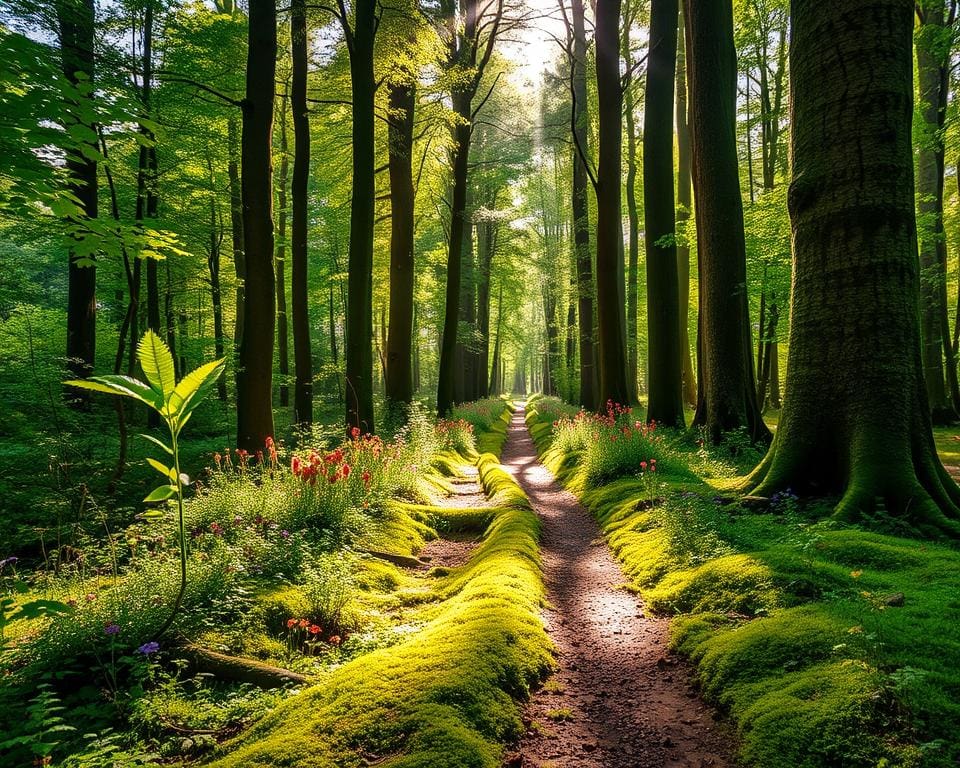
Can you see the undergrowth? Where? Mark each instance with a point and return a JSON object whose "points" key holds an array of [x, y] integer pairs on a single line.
{"points": [[827, 645]]}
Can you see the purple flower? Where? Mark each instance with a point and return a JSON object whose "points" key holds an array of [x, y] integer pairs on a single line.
{"points": [[285, 534], [112, 629], [147, 648], [9, 561]]}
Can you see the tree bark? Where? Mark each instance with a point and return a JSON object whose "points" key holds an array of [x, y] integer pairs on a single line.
{"points": [[216, 297], [581, 210], [283, 358], [684, 207], [255, 360], [299, 275], [855, 420], [399, 383], [728, 396], [664, 363], [633, 232], [236, 226], [359, 341]]}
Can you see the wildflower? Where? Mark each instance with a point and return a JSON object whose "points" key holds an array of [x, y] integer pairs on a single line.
{"points": [[218, 460], [313, 629], [285, 534], [147, 648], [355, 432], [334, 640], [303, 623], [216, 529], [112, 629], [291, 623], [366, 477], [643, 466], [345, 471]]}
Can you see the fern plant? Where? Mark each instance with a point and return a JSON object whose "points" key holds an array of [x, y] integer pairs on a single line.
{"points": [[175, 402]]}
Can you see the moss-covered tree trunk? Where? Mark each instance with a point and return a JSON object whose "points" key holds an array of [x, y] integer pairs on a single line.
{"points": [[664, 364], [856, 421], [727, 395], [255, 359]]}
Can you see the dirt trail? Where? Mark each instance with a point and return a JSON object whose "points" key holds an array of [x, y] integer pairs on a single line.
{"points": [[619, 699]]}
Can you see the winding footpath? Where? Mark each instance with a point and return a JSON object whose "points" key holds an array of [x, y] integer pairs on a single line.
{"points": [[619, 699]]}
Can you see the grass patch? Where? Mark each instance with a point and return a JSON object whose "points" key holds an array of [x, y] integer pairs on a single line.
{"points": [[827, 645]]}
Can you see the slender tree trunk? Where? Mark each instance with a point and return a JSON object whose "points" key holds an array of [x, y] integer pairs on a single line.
{"points": [[400, 340], [486, 246], [236, 226], [581, 211], [334, 355], [633, 235], [728, 398], [216, 298], [856, 421], [684, 206], [281, 259], [299, 277], [664, 362], [255, 360], [169, 315], [496, 385], [930, 172], [76, 27], [359, 342]]}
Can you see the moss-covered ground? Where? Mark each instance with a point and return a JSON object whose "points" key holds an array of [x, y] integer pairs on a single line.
{"points": [[827, 645], [446, 695]]}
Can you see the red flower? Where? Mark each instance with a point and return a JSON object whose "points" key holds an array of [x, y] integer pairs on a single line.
{"points": [[296, 466], [355, 432], [291, 623], [303, 623], [643, 465], [335, 640], [345, 470], [366, 477], [314, 629]]}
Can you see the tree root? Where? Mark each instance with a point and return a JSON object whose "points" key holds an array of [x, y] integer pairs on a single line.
{"points": [[239, 669]]}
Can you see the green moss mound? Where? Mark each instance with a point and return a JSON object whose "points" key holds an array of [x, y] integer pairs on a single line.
{"points": [[446, 697]]}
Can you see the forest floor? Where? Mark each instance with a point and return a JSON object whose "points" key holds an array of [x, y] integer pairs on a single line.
{"points": [[618, 698]]}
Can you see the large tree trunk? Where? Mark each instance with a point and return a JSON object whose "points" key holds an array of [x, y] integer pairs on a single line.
{"points": [[664, 363], [283, 358], [359, 341], [255, 360], [728, 396], [76, 27], [302, 355], [856, 420], [684, 206], [399, 383], [581, 211], [610, 310], [932, 62]]}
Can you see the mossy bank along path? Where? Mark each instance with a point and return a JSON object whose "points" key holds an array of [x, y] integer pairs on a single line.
{"points": [[618, 698]]}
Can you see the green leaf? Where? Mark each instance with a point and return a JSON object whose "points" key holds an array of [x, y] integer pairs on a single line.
{"points": [[162, 493], [151, 515], [163, 470], [126, 386], [194, 386], [157, 364], [158, 443]]}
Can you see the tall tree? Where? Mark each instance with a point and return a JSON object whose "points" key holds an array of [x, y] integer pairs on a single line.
{"points": [[302, 359], [283, 358], [684, 206], [727, 393], [664, 363], [579, 125], [399, 384], [75, 19], [471, 46], [633, 216], [359, 342], [255, 359], [611, 324], [855, 419], [934, 40]]}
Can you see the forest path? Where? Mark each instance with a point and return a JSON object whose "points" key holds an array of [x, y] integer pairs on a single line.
{"points": [[618, 699]]}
